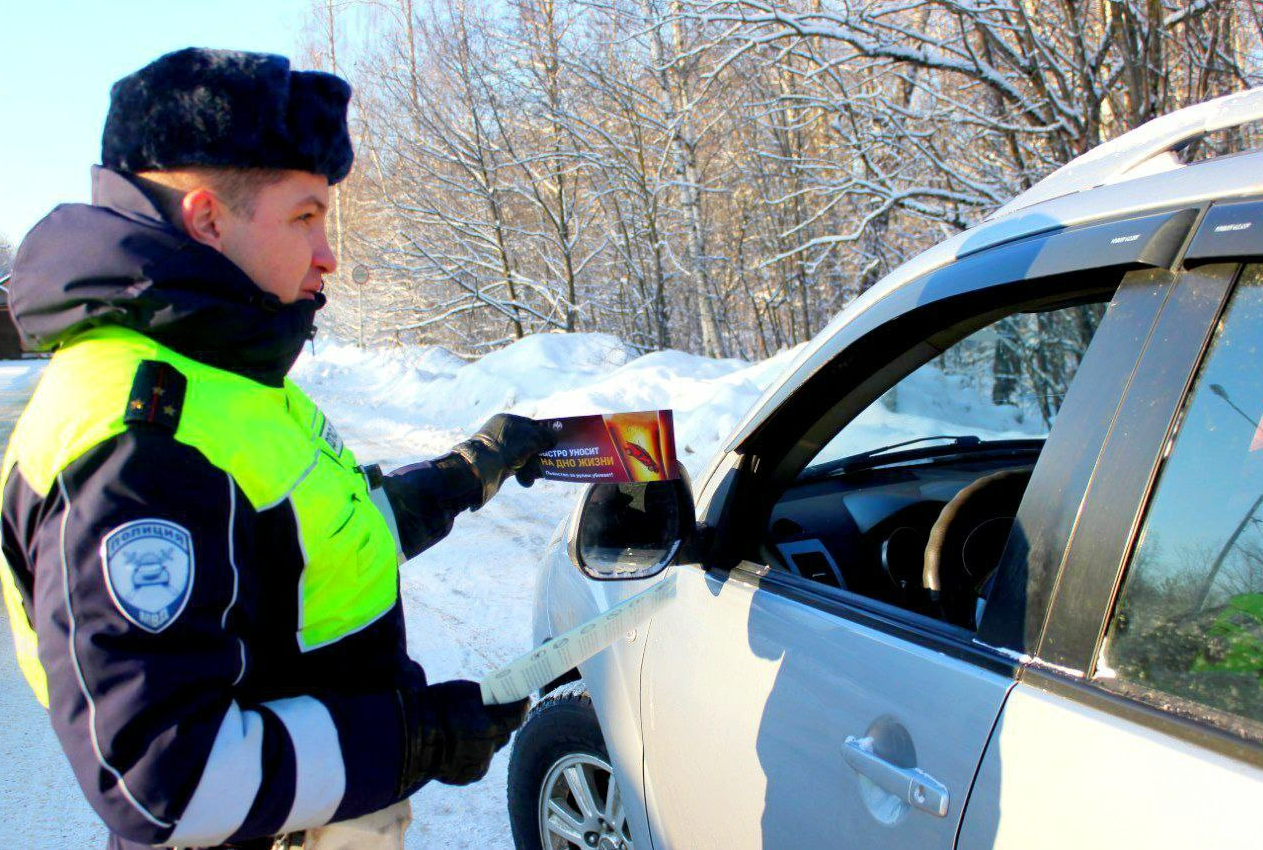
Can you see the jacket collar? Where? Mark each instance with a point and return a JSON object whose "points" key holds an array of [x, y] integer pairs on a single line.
{"points": [[119, 261], [117, 192]]}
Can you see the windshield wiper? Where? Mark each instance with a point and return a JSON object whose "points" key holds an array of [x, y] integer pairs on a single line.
{"points": [[952, 440], [873, 457]]}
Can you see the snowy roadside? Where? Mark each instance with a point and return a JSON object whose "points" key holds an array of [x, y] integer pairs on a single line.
{"points": [[468, 600]]}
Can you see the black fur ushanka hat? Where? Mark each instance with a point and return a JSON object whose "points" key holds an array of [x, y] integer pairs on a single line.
{"points": [[229, 109]]}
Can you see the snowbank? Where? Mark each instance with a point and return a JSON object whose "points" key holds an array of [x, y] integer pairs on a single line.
{"points": [[540, 376]]}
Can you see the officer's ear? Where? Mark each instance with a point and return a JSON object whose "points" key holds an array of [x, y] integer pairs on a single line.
{"points": [[202, 213]]}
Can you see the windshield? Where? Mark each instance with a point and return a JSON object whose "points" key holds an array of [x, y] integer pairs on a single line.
{"points": [[1003, 382]]}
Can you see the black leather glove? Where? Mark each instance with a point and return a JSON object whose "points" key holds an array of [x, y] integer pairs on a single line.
{"points": [[452, 735], [506, 445]]}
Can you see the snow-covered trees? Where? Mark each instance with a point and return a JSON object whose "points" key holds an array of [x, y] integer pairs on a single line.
{"points": [[720, 175], [6, 255]]}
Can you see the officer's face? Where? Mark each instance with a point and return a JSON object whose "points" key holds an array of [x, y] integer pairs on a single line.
{"points": [[283, 246]]}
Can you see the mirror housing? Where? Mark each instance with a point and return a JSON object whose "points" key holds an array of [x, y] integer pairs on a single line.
{"points": [[625, 532]]}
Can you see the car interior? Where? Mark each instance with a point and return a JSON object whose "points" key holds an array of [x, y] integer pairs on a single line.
{"points": [[911, 502]]}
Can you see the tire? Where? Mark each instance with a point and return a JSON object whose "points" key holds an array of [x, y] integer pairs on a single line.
{"points": [[561, 743]]}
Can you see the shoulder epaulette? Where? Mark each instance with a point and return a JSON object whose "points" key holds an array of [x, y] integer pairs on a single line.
{"points": [[157, 396]]}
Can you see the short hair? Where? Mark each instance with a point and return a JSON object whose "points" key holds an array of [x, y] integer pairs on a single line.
{"points": [[238, 188]]}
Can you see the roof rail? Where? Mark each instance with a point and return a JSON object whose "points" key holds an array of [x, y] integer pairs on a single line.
{"points": [[1148, 149]]}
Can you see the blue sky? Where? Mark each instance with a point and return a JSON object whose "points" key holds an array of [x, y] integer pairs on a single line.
{"points": [[58, 59]]}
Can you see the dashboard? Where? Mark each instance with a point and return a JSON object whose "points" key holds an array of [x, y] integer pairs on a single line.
{"points": [[865, 531]]}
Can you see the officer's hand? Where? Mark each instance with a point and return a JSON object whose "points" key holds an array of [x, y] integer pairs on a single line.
{"points": [[471, 732], [506, 445]]}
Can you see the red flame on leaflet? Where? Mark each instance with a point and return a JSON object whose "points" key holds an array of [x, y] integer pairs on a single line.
{"points": [[643, 456]]}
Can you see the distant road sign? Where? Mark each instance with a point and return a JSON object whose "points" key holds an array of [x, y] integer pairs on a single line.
{"points": [[359, 274]]}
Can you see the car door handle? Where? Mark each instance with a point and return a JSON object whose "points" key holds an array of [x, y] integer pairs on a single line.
{"points": [[912, 785]]}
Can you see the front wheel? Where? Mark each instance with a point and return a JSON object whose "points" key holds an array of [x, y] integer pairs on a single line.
{"points": [[562, 790]]}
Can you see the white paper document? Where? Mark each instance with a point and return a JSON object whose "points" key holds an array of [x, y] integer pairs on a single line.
{"points": [[528, 673]]}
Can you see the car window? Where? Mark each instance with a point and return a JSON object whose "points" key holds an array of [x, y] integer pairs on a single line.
{"points": [[1189, 617], [910, 504], [1005, 381]]}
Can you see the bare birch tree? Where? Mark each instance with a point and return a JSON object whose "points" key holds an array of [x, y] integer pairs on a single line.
{"points": [[723, 176]]}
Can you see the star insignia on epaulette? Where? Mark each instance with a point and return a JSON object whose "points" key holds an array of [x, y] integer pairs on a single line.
{"points": [[157, 396]]}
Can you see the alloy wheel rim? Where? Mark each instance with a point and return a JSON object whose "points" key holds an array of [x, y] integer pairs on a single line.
{"points": [[581, 806]]}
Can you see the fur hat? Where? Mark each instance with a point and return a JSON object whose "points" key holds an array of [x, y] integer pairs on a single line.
{"points": [[229, 109]]}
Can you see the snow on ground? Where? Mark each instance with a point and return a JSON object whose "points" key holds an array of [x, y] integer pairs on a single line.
{"points": [[468, 600]]}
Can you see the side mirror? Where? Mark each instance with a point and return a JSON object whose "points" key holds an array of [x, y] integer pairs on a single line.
{"points": [[631, 531]]}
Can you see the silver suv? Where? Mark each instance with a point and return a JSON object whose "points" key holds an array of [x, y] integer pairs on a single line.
{"points": [[984, 568]]}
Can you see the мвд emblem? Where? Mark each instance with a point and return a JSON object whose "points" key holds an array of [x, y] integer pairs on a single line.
{"points": [[149, 571]]}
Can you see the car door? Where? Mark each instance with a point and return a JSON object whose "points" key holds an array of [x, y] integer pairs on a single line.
{"points": [[784, 712], [1141, 717], [759, 706]]}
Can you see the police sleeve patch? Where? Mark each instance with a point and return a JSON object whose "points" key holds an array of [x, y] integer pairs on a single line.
{"points": [[148, 566]]}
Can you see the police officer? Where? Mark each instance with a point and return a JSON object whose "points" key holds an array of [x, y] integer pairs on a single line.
{"points": [[201, 580]]}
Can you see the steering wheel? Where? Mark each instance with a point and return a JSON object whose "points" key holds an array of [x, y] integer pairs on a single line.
{"points": [[967, 540]]}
